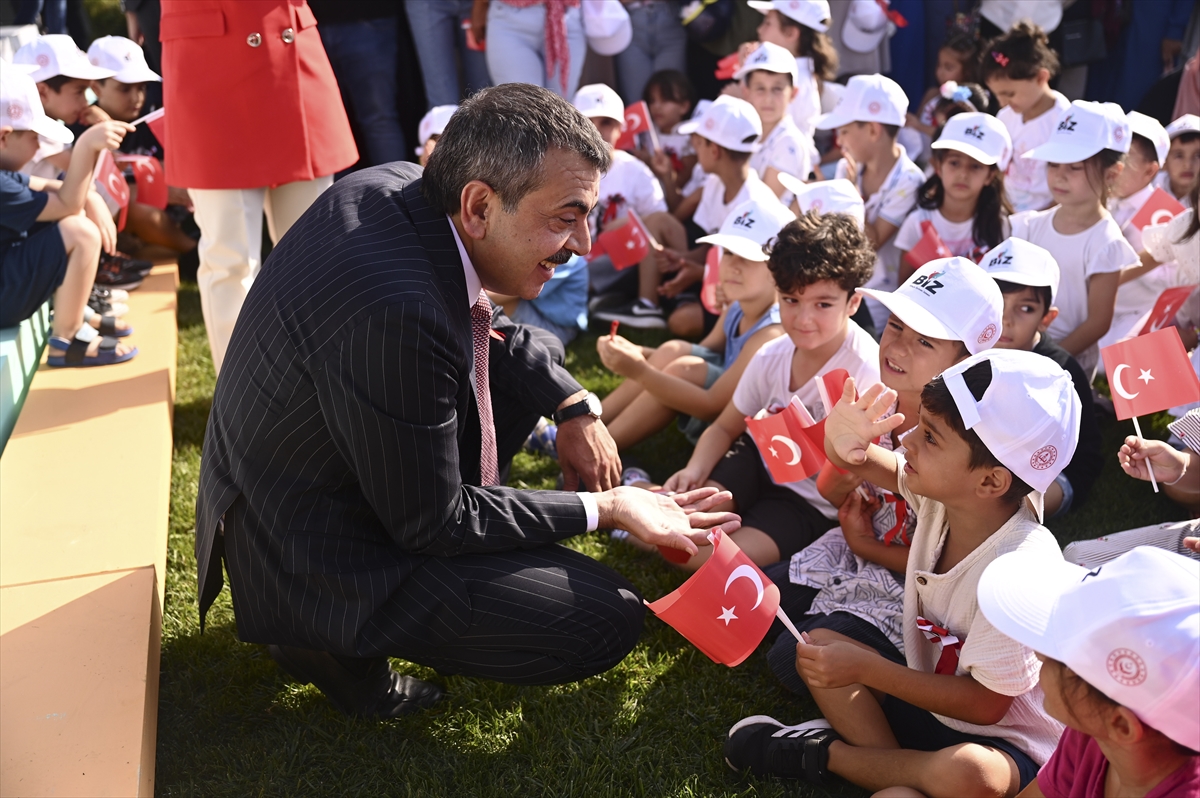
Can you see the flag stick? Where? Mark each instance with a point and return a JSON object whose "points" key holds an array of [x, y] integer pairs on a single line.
{"points": [[782, 616], [142, 119], [1138, 429]]}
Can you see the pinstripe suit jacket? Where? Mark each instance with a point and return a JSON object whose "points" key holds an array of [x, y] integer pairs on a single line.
{"points": [[343, 444]]}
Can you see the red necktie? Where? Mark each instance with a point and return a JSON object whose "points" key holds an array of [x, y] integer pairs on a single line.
{"points": [[481, 327]]}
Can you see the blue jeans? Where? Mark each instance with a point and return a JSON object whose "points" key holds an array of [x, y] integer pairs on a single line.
{"points": [[363, 56], [659, 42], [516, 47], [54, 14], [441, 44]]}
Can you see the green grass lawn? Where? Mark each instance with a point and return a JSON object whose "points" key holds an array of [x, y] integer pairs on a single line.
{"points": [[231, 723]]}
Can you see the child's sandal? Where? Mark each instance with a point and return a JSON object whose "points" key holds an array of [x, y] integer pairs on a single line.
{"points": [[74, 352]]}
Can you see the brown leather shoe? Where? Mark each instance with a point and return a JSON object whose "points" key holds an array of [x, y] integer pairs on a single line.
{"points": [[357, 687]]}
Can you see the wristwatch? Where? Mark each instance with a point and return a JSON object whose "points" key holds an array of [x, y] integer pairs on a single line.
{"points": [[589, 405]]}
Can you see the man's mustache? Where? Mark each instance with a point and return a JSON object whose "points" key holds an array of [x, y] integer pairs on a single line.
{"points": [[560, 257]]}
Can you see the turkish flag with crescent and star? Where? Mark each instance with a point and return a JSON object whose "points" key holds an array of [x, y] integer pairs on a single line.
{"points": [[1166, 308], [1150, 373], [112, 180], [637, 120], [1159, 208], [626, 245], [791, 443], [929, 247], [725, 608], [151, 180]]}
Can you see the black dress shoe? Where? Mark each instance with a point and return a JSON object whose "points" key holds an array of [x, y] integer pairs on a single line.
{"points": [[357, 687]]}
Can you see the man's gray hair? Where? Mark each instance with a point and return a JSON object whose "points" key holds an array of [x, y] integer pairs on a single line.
{"points": [[500, 136]]}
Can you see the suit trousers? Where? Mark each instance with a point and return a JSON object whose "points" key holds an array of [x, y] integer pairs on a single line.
{"points": [[230, 250]]}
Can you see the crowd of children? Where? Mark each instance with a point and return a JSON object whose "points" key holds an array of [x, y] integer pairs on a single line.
{"points": [[963, 265]]}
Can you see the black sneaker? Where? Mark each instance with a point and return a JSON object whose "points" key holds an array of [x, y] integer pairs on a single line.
{"points": [[111, 274], [765, 746], [638, 314], [129, 264]]}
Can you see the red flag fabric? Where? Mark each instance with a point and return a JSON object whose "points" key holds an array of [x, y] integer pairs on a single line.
{"points": [[1149, 373], [929, 247], [949, 645], [791, 444], [712, 277], [637, 120], [151, 180], [1159, 208], [727, 66], [110, 177], [626, 245], [725, 608], [830, 385], [1166, 308]]}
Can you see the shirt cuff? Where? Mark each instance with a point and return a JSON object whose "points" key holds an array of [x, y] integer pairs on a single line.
{"points": [[593, 511]]}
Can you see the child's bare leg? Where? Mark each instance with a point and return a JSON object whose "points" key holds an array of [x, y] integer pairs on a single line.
{"points": [[687, 320], [624, 394], [646, 415], [81, 239], [966, 769], [669, 232], [154, 226], [854, 710]]}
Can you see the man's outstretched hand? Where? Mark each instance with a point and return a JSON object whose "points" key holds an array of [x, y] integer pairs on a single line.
{"points": [[588, 455], [680, 521]]}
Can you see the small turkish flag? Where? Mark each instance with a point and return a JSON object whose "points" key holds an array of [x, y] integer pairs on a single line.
{"points": [[637, 120], [151, 180], [727, 66], [628, 244], [1159, 208], [1166, 308], [929, 247], [791, 443], [830, 385], [112, 180], [725, 608], [1150, 373], [712, 278]]}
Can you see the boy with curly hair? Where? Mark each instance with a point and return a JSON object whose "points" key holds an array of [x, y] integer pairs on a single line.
{"points": [[817, 262]]}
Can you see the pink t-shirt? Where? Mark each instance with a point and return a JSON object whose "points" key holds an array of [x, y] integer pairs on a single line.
{"points": [[1077, 769]]}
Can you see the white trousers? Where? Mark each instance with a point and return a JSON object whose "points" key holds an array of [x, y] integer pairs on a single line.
{"points": [[230, 250]]}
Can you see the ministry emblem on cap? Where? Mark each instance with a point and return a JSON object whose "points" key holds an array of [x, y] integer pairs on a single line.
{"points": [[1043, 458], [874, 107], [989, 332], [1126, 667], [43, 59], [710, 123], [14, 111]]}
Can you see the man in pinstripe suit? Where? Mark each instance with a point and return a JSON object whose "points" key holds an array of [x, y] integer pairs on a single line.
{"points": [[348, 482]]}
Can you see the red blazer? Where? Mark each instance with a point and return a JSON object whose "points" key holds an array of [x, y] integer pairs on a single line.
{"points": [[251, 99]]}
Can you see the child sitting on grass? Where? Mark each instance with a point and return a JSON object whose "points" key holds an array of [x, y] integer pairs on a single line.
{"points": [[1182, 169], [867, 119], [851, 580], [817, 262], [964, 716], [697, 380], [1118, 646], [1027, 276], [51, 231], [122, 97]]}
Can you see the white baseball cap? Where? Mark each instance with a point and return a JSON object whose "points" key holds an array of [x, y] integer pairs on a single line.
{"points": [[730, 122], [865, 26], [1084, 128], [599, 100], [56, 54], [981, 136], [770, 58], [433, 124], [1028, 417], [814, 14], [826, 196], [948, 298], [608, 27], [1015, 260], [1129, 628], [1188, 123], [124, 57], [1152, 129], [867, 98], [749, 227], [21, 108]]}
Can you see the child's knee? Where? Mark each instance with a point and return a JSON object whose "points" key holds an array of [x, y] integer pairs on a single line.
{"points": [[79, 232], [973, 770]]}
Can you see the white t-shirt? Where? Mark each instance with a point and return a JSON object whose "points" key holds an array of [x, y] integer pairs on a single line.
{"points": [[806, 105], [676, 145], [766, 384], [896, 197], [713, 208], [949, 600], [787, 150], [1098, 250], [1025, 178], [629, 183], [959, 237]]}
